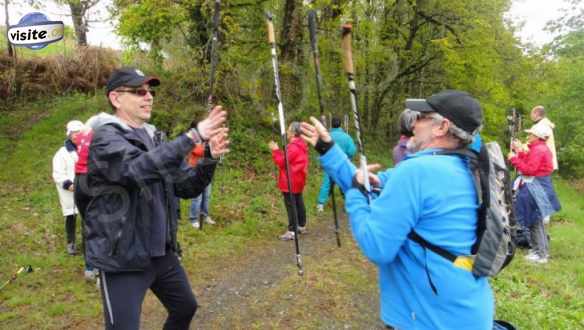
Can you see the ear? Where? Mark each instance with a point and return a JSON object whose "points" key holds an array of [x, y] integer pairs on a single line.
{"points": [[442, 129], [113, 98]]}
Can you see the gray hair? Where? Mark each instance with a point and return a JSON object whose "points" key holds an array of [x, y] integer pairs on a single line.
{"points": [[295, 128], [463, 136], [406, 122]]}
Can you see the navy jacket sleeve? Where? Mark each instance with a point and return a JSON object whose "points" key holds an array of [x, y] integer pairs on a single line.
{"points": [[192, 181], [119, 161]]}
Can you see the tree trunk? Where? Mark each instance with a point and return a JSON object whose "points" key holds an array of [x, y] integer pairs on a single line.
{"points": [[78, 11], [8, 45], [291, 36]]}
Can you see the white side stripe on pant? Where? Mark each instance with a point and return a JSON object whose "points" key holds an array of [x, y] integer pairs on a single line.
{"points": [[107, 298]]}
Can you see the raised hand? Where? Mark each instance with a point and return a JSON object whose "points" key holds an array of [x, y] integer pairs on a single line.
{"points": [[373, 179], [219, 142], [311, 133], [273, 145], [214, 120]]}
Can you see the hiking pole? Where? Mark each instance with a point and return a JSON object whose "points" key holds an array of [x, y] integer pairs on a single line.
{"points": [[214, 58], [24, 269], [349, 70], [272, 41], [316, 57]]}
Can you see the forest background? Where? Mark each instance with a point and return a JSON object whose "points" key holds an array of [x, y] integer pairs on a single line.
{"points": [[401, 48]]}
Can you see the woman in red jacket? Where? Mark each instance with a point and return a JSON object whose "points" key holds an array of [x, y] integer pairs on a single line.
{"points": [[298, 161], [536, 198]]}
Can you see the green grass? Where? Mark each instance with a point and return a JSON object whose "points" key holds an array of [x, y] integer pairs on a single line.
{"points": [[549, 296], [249, 213]]}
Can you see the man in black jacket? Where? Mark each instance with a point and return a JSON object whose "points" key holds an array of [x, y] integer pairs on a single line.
{"points": [[134, 177]]}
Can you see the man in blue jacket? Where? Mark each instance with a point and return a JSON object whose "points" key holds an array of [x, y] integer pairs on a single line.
{"points": [[133, 178], [345, 142], [433, 194]]}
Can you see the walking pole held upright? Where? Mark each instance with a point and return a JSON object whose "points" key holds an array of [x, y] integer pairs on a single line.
{"points": [[316, 57], [214, 59], [282, 119], [349, 70]]}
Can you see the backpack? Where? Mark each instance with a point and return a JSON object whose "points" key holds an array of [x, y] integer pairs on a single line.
{"points": [[494, 248]]}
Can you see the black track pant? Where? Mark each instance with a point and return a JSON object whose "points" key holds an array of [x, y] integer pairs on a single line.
{"points": [[70, 224], [300, 210], [123, 294]]}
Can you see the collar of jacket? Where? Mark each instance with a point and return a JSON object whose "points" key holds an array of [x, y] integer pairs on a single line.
{"points": [[536, 142], [111, 119], [70, 146], [130, 134]]}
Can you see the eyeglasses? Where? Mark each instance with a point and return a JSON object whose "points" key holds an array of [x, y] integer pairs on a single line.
{"points": [[138, 91]]}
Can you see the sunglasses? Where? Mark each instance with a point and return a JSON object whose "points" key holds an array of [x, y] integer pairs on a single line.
{"points": [[138, 91]]}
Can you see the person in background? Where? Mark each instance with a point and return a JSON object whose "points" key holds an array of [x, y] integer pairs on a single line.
{"points": [[538, 116], [64, 177], [82, 195], [298, 160], [346, 143], [199, 210], [406, 125], [536, 197]]}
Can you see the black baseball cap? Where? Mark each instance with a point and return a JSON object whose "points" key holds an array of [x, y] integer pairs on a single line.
{"points": [[131, 77], [458, 107]]}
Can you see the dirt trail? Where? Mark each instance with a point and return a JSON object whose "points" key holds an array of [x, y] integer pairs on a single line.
{"points": [[230, 298]]}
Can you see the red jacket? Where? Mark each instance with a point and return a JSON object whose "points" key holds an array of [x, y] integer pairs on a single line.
{"points": [[83, 142], [298, 160], [537, 161]]}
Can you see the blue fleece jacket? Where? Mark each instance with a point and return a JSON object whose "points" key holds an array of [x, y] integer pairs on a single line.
{"points": [[433, 194]]}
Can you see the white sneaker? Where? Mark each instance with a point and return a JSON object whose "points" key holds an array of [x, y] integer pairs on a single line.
{"points": [[530, 254], [302, 230], [196, 225], [209, 220], [287, 236], [89, 275], [541, 260], [319, 208], [532, 257]]}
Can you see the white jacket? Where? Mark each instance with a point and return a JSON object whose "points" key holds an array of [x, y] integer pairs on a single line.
{"points": [[63, 170], [550, 142]]}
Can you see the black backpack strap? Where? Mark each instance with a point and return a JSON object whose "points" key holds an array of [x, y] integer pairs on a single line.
{"points": [[479, 166], [436, 249]]}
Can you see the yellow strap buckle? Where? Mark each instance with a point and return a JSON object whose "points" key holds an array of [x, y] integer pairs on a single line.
{"points": [[464, 262]]}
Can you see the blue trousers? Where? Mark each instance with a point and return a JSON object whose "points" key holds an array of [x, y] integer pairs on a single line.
{"points": [[200, 205], [325, 189]]}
